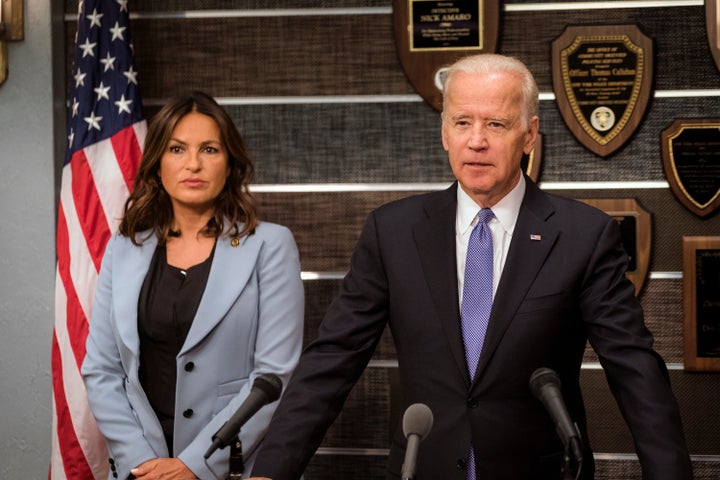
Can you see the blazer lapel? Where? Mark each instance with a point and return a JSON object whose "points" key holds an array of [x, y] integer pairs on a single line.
{"points": [[532, 241], [435, 240], [130, 266], [230, 271]]}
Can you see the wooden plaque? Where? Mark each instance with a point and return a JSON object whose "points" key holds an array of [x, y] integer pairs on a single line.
{"points": [[602, 79], [691, 160], [712, 26], [531, 163], [635, 228], [701, 303], [430, 35]]}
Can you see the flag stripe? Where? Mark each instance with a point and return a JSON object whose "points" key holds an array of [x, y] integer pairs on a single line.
{"points": [[89, 208], [126, 145]]}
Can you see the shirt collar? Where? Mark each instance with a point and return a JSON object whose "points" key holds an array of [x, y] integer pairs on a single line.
{"points": [[506, 210]]}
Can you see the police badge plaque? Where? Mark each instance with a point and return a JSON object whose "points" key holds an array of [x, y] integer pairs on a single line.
{"points": [[431, 34], [602, 78], [691, 160]]}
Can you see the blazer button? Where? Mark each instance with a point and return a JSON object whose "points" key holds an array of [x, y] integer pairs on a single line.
{"points": [[461, 464], [189, 366], [472, 403], [188, 413]]}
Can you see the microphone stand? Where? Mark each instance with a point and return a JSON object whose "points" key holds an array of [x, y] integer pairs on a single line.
{"points": [[573, 458], [236, 463]]}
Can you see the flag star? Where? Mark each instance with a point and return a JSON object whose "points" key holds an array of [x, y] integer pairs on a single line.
{"points": [[87, 48], [102, 91], [131, 75], [123, 105], [75, 107], [80, 79], [93, 121], [109, 62], [94, 18], [71, 137], [117, 32], [123, 5]]}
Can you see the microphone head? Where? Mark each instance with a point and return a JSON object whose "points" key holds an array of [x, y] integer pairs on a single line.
{"points": [[542, 377], [270, 384], [417, 420]]}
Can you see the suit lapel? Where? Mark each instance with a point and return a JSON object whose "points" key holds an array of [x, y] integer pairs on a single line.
{"points": [[532, 241], [435, 240], [230, 271], [130, 266]]}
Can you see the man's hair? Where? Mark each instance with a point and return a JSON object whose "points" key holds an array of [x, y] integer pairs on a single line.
{"points": [[486, 63]]}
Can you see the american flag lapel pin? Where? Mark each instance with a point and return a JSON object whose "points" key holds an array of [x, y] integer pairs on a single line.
{"points": [[535, 237]]}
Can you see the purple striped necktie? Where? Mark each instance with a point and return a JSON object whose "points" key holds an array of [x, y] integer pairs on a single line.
{"points": [[477, 298]]}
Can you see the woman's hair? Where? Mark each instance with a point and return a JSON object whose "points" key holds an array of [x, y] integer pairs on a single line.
{"points": [[491, 63], [149, 206]]}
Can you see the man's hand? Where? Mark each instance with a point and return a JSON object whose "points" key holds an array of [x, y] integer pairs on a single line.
{"points": [[163, 469]]}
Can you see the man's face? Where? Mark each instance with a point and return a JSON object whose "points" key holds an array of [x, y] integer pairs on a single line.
{"points": [[484, 133]]}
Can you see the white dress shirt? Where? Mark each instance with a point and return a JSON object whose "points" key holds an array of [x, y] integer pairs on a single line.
{"points": [[502, 227]]}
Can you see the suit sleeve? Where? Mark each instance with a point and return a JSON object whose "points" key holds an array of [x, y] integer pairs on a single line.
{"points": [[330, 366], [107, 383], [636, 374]]}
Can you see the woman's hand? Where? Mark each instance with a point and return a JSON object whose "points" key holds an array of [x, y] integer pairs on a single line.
{"points": [[163, 469]]}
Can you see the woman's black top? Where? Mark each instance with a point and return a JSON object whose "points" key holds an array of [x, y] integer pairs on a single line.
{"points": [[168, 302]]}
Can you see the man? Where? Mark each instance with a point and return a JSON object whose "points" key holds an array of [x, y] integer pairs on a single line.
{"points": [[557, 280]]}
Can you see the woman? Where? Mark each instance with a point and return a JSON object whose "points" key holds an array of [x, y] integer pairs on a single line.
{"points": [[196, 298]]}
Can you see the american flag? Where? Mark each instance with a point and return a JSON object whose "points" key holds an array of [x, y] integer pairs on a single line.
{"points": [[105, 135]]}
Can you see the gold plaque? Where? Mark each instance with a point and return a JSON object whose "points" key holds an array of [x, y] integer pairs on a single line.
{"points": [[635, 229], [701, 303], [712, 25], [691, 160], [602, 78], [430, 35]]}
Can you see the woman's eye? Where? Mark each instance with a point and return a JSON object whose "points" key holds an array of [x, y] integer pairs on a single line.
{"points": [[175, 149]]}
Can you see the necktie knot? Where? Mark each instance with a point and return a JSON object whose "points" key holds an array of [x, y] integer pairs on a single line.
{"points": [[485, 215]]}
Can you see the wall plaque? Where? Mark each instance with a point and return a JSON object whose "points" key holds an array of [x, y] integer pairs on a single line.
{"points": [[602, 78], [635, 228], [701, 303], [712, 26], [691, 160], [431, 34], [531, 163]]}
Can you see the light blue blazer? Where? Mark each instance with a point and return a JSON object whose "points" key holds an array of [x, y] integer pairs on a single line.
{"points": [[249, 322]]}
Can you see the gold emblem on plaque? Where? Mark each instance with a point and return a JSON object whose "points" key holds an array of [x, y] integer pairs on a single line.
{"points": [[602, 77]]}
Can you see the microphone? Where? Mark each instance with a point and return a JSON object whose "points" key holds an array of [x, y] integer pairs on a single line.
{"points": [[266, 389], [417, 422], [545, 386]]}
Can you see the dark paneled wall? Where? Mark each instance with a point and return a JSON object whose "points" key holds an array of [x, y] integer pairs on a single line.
{"points": [[320, 97]]}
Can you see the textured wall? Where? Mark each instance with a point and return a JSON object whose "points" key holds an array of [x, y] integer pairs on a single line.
{"points": [[336, 129]]}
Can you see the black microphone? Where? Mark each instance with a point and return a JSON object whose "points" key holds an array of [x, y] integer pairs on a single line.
{"points": [[266, 389], [545, 386], [417, 422]]}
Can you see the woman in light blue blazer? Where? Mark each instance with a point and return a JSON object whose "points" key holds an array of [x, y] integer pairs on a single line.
{"points": [[196, 298]]}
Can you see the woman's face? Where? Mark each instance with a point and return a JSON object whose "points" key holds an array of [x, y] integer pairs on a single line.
{"points": [[194, 166]]}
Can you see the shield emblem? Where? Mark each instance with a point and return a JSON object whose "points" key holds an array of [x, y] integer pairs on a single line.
{"points": [[431, 34], [602, 77], [691, 161]]}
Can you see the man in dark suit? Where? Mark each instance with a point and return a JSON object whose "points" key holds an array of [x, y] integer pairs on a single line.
{"points": [[557, 280]]}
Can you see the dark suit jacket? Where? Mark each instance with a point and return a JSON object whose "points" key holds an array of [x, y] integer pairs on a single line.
{"points": [[555, 294]]}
